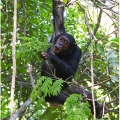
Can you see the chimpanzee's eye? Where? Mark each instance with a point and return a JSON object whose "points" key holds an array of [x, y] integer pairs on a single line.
{"points": [[61, 38], [65, 41]]}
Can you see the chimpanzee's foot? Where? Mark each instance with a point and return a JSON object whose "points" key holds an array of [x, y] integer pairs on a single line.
{"points": [[103, 111]]}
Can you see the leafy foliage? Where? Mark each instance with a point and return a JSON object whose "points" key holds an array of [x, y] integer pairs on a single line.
{"points": [[76, 109], [29, 48], [46, 86], [34, 29]]}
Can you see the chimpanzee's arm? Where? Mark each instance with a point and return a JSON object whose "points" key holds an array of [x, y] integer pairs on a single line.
{"points": [[67, 68], [60, 65], [58, 18]]}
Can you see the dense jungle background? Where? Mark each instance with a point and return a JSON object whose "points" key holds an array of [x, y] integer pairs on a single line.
{"points": [[83, 18]]}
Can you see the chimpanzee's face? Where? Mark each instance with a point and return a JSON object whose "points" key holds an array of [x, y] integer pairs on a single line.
{"points": [[61, 44]]}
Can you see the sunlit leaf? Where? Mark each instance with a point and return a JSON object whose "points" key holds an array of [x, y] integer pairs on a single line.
{"points": [[100, 48]]}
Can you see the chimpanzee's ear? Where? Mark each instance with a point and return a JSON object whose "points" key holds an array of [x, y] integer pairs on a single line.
{"points": [[74, 45]]}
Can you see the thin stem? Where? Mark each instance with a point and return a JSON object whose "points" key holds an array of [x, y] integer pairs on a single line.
{"points": [[14, 60]]}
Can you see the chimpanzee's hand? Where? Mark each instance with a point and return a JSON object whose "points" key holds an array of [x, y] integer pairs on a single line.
{"points": [[44, 55]]}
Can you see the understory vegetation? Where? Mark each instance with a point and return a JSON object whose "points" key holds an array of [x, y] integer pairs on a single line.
{"points": [[83, 19]]}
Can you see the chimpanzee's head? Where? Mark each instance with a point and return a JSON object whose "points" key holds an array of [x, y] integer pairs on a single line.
{"points": [[63, 42]]}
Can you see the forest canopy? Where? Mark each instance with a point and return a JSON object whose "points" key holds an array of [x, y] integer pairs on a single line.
{"points": [[94, 25]]}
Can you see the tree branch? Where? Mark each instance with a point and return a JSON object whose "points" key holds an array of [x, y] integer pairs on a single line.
{"points": [[108, 93], [105, 12], [98, 23], [25, 17], [21, 109], [91, 56], [29, 70], [108, 8], [14, 59]]}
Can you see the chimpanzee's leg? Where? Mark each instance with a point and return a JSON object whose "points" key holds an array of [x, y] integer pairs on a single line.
{"points": [[55, 100], [87, 96]]}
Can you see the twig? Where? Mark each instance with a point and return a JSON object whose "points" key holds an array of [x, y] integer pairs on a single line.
{"points": [[14, 59], [115, 1], [105, 12], [95, 31], [6, 14], [29, 70], [98, 23], [111, 101], [70, 2], [25, 17], [99, 83], [91, 56], [21, 109], [108, 93], [108, 8], [115, 31]]}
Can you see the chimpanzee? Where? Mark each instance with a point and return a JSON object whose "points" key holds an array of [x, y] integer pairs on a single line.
{"points": [[66, 59], [62, 60], [64, 63]]}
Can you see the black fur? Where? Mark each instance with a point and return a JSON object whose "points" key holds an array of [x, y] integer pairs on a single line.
{"points": [[65, 63]]}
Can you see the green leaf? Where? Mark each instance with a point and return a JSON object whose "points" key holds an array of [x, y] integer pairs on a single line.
{"points": [[81, 110], [37, 91], [100, 49], [114, 78], [115, 40], [65, 1], [56, 87]]}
